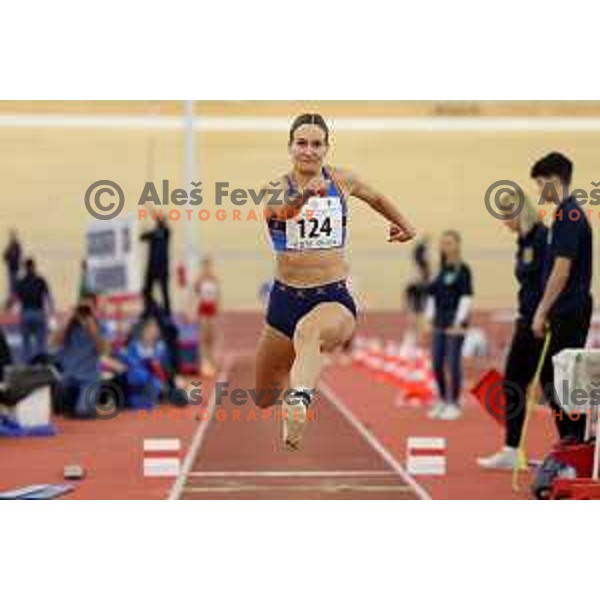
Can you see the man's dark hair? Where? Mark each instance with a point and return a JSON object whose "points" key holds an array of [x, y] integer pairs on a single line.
{"points": [[553, 164], [30, 265]]}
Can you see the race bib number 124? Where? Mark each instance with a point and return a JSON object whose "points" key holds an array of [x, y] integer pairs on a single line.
{"points": [[319, 225]]}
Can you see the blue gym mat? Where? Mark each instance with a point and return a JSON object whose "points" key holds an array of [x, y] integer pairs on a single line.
{"points": [[10, 428]]}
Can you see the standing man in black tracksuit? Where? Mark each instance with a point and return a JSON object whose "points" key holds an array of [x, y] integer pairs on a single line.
{"points": [[157, 267], [12, 258], [37, 306], [566, 304]]}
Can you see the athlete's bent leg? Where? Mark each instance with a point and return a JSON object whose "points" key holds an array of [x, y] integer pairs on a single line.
{"points": [[274, 358], [326, 327]]}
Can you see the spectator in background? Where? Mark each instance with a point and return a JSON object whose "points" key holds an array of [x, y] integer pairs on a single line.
{"points": [[148, 369], [168, 330], [525, 349], [85, 287], [415, 297], [421, 258], [5, 354], [80, 346], [35, 299], [208, 292], [448, 308], [565, 309], [157, 267], [12, 258], [416, 293]]}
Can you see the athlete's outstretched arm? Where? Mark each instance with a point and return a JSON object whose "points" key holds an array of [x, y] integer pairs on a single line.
{"points": [[401, 229]]}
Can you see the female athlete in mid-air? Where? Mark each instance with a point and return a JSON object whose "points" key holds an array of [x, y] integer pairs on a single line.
{"points": [[310, 309]]}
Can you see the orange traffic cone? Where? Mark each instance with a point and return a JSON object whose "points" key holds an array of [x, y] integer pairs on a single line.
{"points": [[419, 385]]}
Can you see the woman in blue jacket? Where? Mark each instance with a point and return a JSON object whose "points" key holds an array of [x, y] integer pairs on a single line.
{"points": [[448, 309], [148, 367]]}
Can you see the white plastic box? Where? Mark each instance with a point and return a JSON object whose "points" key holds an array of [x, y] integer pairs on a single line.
{"points": [[577, 379], [34, 410]]}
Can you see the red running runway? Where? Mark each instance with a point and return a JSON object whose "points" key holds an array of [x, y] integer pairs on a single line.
{"points": [[354, 447], [238, 454]]}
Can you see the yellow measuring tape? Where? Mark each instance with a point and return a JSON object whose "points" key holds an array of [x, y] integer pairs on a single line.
{"points": [[522, 462]]}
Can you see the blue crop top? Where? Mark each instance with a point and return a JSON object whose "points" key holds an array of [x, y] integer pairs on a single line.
{"points": [[320, 224]]}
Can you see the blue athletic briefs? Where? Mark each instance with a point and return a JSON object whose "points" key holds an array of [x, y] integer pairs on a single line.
{"points": [[287, 304]]}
